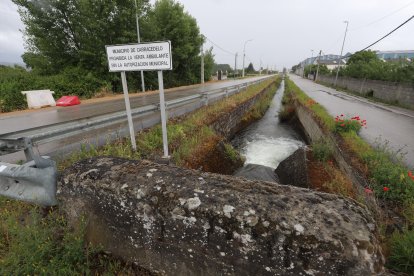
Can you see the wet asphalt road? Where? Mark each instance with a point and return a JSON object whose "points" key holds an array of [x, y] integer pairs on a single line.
{"points": [[31, 119], [384, 123]]}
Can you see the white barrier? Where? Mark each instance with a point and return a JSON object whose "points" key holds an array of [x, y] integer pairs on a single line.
{"points": [[39, 98]]}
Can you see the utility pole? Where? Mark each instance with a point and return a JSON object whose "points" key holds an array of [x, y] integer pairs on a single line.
{"points": [[311, 63], [342, 49], [303, 68], [317, 69], [244, 54], [235, 66], [202, 64], [139, 41]]}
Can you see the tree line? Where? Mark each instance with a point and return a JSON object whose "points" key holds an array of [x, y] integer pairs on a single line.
{"points": [[65, 46]]}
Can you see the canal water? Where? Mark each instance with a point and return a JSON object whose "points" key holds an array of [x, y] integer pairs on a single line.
{"points": [[267, 142]]}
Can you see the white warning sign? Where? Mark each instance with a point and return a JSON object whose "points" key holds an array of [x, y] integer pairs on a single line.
{"points": [[152, 56]]}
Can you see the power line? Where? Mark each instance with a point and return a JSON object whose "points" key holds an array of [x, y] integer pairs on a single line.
{"points": [[382, 18], [224, 50], [405, 22]]}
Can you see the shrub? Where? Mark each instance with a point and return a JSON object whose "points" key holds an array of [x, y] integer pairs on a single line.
{"points": [[343, 124], [73, 81]]}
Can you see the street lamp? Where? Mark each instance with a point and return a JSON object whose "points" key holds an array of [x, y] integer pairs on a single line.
{"points": [[340, 57], [244, 53]]}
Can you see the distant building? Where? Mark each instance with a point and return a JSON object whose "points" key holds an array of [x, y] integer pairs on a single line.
{"points": [[330, 60], [396, 55], [332, 63]]}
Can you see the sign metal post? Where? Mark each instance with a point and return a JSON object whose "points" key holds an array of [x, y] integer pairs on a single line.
{"points": [[150, 56], [128, 111], [163, 116]]}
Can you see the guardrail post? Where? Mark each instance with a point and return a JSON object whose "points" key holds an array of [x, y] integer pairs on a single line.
{"points": [[227, 92], [204, 99], [238, 88]]}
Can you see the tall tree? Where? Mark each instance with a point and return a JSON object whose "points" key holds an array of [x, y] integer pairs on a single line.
{"points": [[250, 68], [362, 57], [62, 33], [167, 20], [208, 63]]}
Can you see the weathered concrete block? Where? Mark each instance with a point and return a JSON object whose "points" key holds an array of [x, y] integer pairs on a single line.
{"points": [[184, 222], [293, 170]]}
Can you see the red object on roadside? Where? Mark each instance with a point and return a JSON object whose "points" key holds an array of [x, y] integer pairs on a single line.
{"points": [[68, 101]]}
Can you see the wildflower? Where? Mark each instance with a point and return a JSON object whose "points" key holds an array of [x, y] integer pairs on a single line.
{"points": [[386, 189], [342, 125], [368, 191], [410, 174]]}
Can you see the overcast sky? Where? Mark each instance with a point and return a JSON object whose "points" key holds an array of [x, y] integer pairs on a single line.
{"points": [[282, 32]]}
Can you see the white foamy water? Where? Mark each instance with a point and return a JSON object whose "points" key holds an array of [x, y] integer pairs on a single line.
{"points": [[268, 151], [267, 142]]}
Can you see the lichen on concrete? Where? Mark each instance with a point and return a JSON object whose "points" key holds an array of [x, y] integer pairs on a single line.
{"points": [[186, 222]]}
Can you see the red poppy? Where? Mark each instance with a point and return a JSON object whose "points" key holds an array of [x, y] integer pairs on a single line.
{"points": [[410, 174], [342, 125], [386, 189]]}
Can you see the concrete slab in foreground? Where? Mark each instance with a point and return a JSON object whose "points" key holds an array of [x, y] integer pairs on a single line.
{"points": [[185, 222]]}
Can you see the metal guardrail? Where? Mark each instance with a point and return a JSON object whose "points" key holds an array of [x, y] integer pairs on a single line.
{"points": [[67, 129], [34, 181]]}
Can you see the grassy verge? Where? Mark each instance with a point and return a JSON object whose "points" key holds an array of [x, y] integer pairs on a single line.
{"points": [[40, 242], [390, 181]]}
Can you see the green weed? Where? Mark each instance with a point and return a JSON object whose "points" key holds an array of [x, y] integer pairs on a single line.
{"points": [[402, 248], [32, 244], [322, 150]]}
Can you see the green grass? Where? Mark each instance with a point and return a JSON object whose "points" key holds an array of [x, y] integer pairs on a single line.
{"points": [[34, 243], [402, 246], [322, 150]]}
